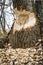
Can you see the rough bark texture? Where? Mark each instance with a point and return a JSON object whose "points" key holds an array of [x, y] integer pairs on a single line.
{"points": [[25, 38], [27, 4]]}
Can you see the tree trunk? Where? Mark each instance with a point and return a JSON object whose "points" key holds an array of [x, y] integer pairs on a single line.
{"points": [[24, 38], [27, 38]]}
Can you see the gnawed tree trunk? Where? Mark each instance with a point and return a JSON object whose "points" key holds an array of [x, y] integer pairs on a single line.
{"points": [[26, 31]]}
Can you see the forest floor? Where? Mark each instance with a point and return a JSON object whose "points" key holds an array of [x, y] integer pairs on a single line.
{"points": [[20, 56]]}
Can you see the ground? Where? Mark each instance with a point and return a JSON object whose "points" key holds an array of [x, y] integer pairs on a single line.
{"points": [[20, 56]]}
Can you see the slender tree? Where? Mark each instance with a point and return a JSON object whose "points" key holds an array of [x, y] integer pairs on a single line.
{"points": [[6, 9]]}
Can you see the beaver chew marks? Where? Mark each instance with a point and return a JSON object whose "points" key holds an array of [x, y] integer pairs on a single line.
{"points": [[26, 30]]}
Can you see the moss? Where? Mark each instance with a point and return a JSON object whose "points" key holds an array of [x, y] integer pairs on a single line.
{"points": [[2, 35]]}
